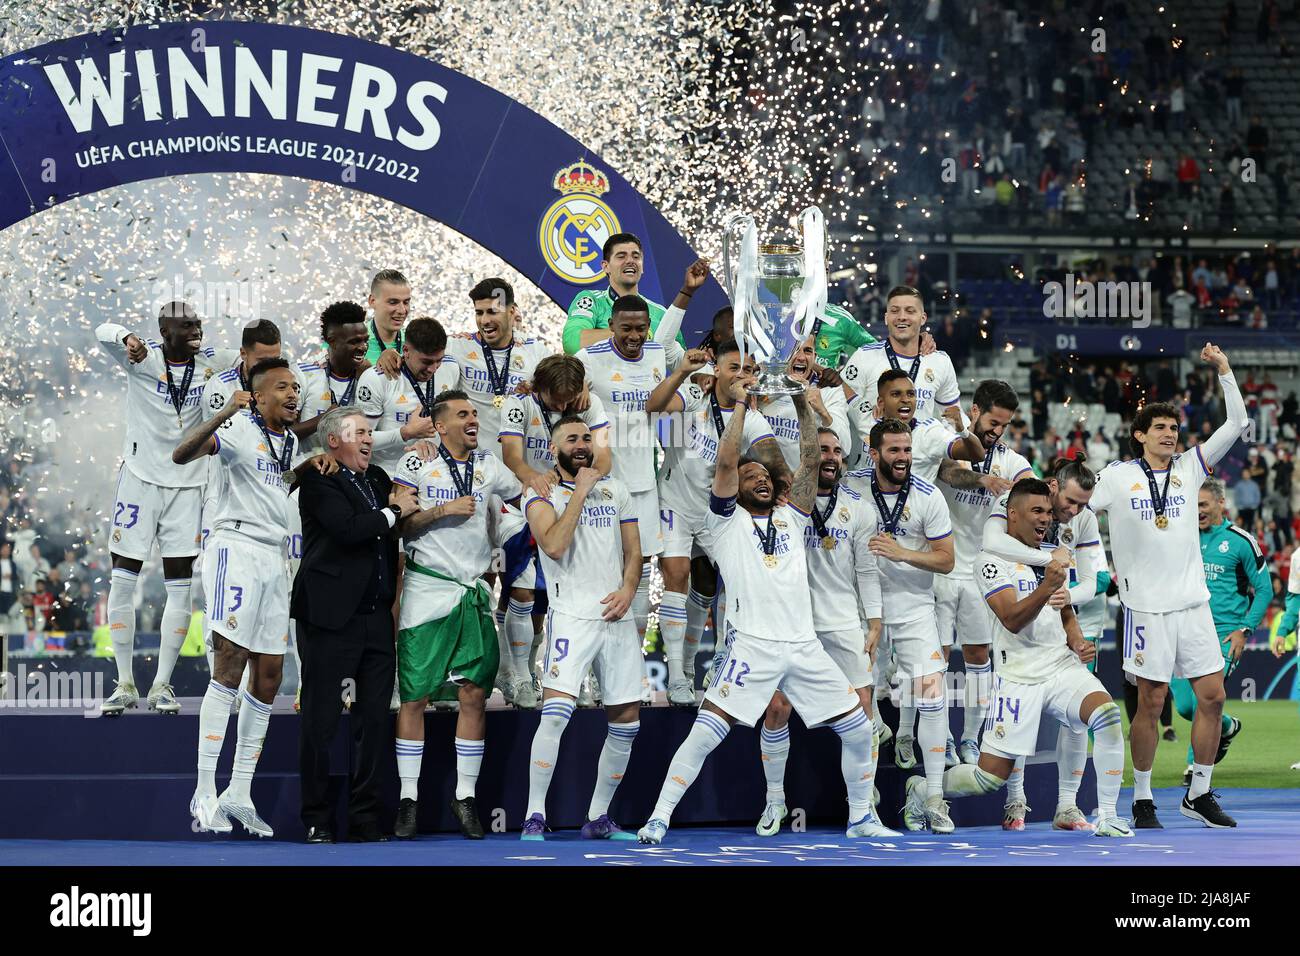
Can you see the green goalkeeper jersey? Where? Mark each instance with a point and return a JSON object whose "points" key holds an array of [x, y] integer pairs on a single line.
{"points": [[1234, 567], [591, 310], [835, 342]]}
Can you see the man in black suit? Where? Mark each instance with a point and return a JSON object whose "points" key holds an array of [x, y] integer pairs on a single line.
{"points": [[343, 604]]}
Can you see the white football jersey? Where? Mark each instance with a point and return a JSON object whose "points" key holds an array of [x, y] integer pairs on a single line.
{"points": [[153, 426], [256, 489], [767, 599], [457, 546], [624, 385], [935, 381], [1038, 652], [970, 508], [322, 391], [592, 566], [931, 442], [781, 415], [1156, 570], [391, 403], [843, 577], [908, 592], [517, 363], [523, 417], [691, 451]]}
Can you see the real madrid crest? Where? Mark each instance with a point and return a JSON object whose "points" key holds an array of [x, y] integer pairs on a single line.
{"points": [[779, 523], [929, 375], [999, 731], [724, 690], [907, 513], [1067, 535], [117, 535], [555, 670], [574, 227], [658, 375], [844, 514], [996, 471], [1175, 481], [1138, 659], [478, 477], [208, 374], [606, 494], [232, 623]]}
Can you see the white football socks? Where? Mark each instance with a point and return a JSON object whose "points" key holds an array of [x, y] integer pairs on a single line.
{"points": [[774, 746], [174, 627], [469, 761], [613, 764], [214, 716], [121, 621], [250, 727], [697, 615], [855, 733], [672, 629], [546, 746], [410, 753], [707, 732], [519, 630], [1107, 756], [932, 738]]}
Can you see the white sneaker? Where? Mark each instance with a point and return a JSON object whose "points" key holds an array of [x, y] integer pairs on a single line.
{"points": [[523, 695], [506, 684], [950, 758], [206, 811], [884, 735], [1113, 827], [1070, 818], [936, 815], [245, 813], [869, 826], [904, 756], [653, 832], [969, 751], [124, 697], [769, 824], [162, 698], [914, 807], [681, 694]]}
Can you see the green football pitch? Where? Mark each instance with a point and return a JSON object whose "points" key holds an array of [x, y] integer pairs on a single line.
{"points": [[1261, 756]]}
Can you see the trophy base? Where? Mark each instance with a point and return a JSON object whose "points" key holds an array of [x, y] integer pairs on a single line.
{"points": [[775, 383]]}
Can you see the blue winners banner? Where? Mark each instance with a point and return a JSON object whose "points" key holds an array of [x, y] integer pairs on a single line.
{"points": [[99, 110]]}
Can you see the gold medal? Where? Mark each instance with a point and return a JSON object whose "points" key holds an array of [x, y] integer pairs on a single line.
{"points": [[828, 543], [887, 534], [1162, 522], [769, 560], [498, 401]]}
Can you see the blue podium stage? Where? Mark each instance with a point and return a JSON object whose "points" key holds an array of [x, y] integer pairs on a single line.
{"points": [[66, 776]]}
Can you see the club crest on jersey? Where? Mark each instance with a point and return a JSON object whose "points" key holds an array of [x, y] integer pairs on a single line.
{"points": [[117, 535], [232, 623], [363, 393], [515, 416], [844, 514], [996, 471], [208, 374], [1175, 481], [575, 227], [724, 690], [606, 494], [999, 731], [1223, 547], [1138, 659], [555, 670], [517, 362], [1067, 535], [929, 375], [779, 523], [657, 375], [907, 513]]}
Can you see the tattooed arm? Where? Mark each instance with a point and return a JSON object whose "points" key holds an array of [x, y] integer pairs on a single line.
{"points": [[803, 487]]}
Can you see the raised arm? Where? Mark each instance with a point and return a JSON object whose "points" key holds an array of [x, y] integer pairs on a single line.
{"points": [[1234, 426], [1016, 615], [803, 486], [726, 474], [670, 323], [665, 398], [121, 343], [199, 440]]}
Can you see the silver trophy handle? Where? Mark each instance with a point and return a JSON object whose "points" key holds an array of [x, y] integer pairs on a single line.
{"points": [[734, 224]]}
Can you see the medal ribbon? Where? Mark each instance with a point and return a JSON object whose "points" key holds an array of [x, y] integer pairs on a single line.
{"points": [[890, 354], [718, 423], [178, 395], [347, 395], [819, 520], [768, 538], [890, 523], [426, 397], [397, 342], [498, 383], [285, 454], [1158, 497], [466, 486]]}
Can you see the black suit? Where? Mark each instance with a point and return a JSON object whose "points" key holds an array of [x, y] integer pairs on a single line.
{"points": [[342, 603]]}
